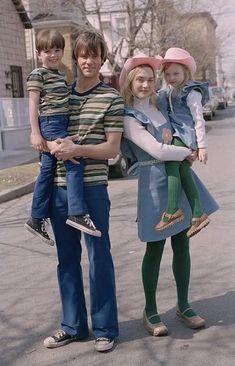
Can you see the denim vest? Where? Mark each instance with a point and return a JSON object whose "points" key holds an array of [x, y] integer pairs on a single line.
{"points": [[175, 104], [134, 153]]}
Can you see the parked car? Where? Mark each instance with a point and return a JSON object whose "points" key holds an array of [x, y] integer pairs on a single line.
{"points": [[209, 109], [221, 94], [118, 166]]}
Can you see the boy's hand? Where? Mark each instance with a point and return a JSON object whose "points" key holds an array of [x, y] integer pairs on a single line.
{"points": [[73, 137], [38, 142], [202, 155]]}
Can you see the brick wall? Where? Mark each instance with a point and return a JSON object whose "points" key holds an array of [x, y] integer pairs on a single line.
{"points": [[12, 45]]}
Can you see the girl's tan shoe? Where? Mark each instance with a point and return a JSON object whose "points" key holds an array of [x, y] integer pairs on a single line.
{"points": [[198, 224], [193, 322], [157, 329]]}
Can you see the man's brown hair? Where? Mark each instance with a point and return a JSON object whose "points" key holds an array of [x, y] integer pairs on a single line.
{"points": [[89, 41]]}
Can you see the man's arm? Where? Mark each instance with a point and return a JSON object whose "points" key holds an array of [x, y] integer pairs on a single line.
{"points": [[65, 149]]}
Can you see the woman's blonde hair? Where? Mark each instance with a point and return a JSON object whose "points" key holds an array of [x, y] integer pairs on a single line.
{"points": [[187, 73], [126, 90]]}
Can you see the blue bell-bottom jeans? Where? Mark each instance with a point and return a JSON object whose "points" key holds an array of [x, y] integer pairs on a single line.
{"points": [[53, 127], [103, 307]]}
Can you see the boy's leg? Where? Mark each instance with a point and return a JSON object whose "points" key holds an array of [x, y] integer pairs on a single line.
{"points": [[43, 187], [77, 209], [75, 190], [103, 297]]}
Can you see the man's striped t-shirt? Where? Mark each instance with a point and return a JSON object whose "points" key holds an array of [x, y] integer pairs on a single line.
{"points": [[54, 92], [92, 115]]}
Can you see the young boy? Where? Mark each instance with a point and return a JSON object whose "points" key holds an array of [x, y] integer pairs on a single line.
{"points": [[49, 97]]}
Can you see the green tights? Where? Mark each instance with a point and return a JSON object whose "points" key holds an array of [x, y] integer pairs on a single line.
{"points": [[181, 269], [180, 175]]}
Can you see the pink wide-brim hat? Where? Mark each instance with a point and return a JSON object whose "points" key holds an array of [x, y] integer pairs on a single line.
{"points": [[137, 60], [180, 56]]}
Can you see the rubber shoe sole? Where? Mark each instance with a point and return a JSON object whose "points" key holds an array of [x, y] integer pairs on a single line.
{"points": [[77, 226], [104, 344], [32, 231]]}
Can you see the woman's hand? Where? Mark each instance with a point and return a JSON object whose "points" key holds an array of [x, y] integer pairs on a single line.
{"points": [[192, 157]]}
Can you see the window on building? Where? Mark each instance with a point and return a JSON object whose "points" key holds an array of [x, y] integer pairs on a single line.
{"points": [[17, 82]]}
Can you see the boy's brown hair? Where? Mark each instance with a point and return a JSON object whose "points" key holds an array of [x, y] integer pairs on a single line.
{"points": [[90, 42], [49, 38]]}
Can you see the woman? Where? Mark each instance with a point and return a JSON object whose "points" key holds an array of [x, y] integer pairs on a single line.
{"points": [[147, 138]]}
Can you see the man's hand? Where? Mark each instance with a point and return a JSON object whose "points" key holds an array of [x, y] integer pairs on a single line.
{"points": [[65, 149]]}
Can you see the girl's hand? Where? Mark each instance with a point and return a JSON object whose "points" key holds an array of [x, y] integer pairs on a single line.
{"points": [[38, 142], [202, 155]]}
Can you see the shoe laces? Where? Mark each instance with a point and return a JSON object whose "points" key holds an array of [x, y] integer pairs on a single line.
{"points": [[60, 334], [43, 225], [88, 221]]}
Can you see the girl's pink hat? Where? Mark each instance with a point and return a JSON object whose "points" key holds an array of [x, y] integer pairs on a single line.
{"points": [[137, 60], [180, 56]]}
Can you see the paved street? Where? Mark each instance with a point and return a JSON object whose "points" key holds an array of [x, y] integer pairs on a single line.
{"points": [[30, 307]]}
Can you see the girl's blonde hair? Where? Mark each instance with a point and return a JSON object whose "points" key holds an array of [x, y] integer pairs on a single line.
{"points": [[126, 90], [187, 73]]}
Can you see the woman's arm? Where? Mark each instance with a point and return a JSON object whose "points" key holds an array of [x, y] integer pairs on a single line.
{"points": [[135, 132]]}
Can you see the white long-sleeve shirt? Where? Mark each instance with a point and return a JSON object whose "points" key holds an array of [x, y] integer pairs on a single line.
{"points": [[135, 132], [194, 102]]}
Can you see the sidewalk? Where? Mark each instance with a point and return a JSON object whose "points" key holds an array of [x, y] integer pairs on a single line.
{"points": [[18, 169]]}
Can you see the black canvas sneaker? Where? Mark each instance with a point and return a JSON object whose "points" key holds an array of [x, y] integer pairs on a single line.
{"points": [[103, 344], [61, 338], [37, 227], [83, 223]]}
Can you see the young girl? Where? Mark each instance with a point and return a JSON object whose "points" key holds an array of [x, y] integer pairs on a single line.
{"points": [[182, 99]]}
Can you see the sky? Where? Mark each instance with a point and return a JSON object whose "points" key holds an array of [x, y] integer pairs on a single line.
{"points": [[223, 12]]}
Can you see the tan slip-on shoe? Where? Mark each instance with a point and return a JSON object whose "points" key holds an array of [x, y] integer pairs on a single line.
{"points": [[198, 224], [157, 329], [168, 220], [193, 322]]}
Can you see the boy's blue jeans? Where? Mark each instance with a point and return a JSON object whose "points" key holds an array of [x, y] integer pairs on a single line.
{"points": [[103, 307], [53, 127]]}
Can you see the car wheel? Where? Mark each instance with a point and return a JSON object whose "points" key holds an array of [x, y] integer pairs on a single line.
{"points": [[120, 170]]}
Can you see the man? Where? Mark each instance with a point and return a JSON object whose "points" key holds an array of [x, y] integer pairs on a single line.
{"points": [[96, 113]]}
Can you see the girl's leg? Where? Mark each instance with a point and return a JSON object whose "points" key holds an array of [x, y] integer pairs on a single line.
{"points": [[181, 266], [174, 185], [190, 189], [150, 272]]}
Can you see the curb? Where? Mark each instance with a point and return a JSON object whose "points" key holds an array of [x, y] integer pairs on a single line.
{"points": [[17, 192]]}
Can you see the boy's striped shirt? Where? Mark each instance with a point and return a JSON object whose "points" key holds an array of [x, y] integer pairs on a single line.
{"points": [[54, 92]]}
